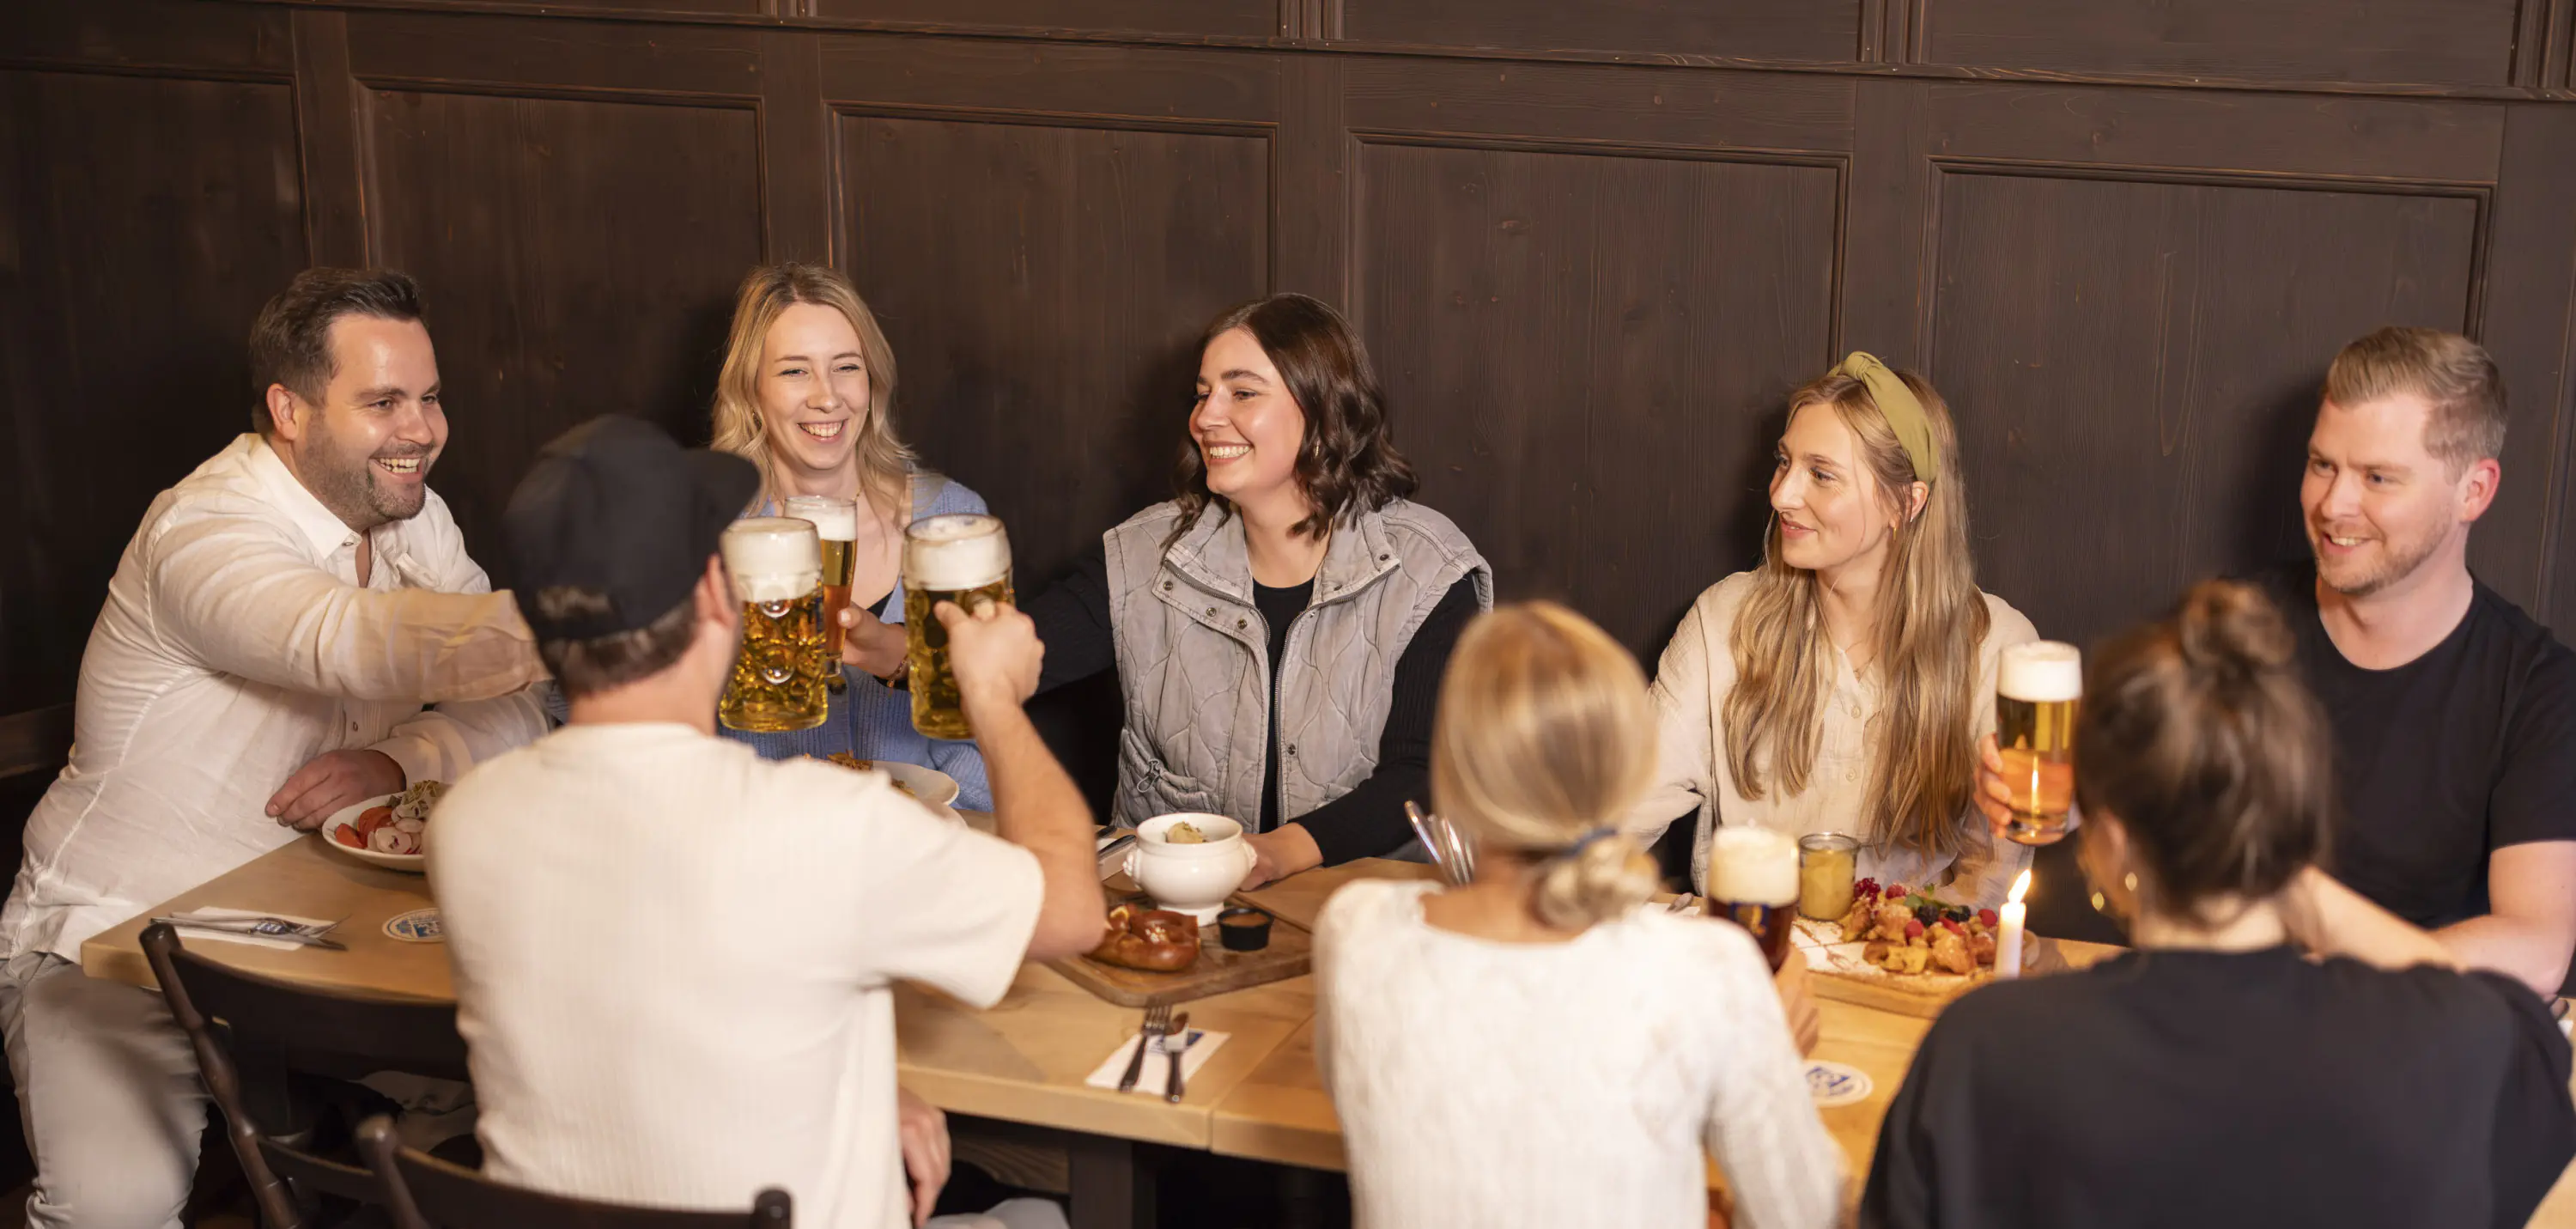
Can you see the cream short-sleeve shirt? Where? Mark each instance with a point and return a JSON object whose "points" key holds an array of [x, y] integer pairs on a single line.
{"points": [[673, 958]]}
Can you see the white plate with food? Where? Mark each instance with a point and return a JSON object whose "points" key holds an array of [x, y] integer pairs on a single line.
{"points": [[929, 786], [389, 831]]}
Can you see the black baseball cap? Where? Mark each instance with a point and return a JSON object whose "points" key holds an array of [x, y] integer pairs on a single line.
{"points": [[617, 506]]}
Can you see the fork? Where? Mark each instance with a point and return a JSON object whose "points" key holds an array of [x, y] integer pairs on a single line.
{"points": [[1158, 1023]]}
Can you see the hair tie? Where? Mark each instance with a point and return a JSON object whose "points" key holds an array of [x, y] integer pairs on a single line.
{"points": [[1583, 842], [1904, 412]]}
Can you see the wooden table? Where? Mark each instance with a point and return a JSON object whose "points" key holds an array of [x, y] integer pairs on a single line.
{"points": [[1024, 1059]]}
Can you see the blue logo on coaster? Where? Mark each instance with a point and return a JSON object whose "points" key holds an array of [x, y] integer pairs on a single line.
{"points": [[1833, 1084], [417, 926]]}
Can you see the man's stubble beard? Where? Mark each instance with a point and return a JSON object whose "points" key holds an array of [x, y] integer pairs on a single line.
{"points": [[348, 486]]}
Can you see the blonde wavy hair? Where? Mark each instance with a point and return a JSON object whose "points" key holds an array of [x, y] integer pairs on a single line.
{"points": [[885, 464], [1924, 643], [1544, 739]]}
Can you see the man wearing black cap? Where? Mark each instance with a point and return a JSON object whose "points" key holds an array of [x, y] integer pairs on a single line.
{"points": [[672, 957]]}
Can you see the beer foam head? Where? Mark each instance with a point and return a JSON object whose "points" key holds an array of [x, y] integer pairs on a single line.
{"points": [[955, 552], [1754, 866], [836, 520], [773, 558], [2040, 671]]}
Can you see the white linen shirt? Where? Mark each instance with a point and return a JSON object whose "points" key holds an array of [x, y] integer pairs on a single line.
{"points": [[673, 961], [1690, 690], [235, 645]]}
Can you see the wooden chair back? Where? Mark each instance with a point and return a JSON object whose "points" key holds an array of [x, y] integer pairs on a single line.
{"points": [[424, 1192], [252, 1034]]}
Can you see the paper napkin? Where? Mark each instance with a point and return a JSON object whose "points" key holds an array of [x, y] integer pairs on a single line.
{"points": [[193, 934], [1157, 1071]]}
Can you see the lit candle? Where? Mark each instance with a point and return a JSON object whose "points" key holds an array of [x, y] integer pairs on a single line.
{"points": [[2008, 946]]}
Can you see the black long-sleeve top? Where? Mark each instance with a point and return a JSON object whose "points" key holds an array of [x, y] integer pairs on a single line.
{"points": [[1073, 620]]}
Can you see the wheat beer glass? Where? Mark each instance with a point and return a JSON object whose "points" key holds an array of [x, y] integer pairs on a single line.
{"points": [[2039, 689], [1753, 882], [963, 558], [836, 521], [777, 684]]}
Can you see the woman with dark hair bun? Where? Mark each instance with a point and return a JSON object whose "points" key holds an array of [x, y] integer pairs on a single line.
{"points": [[2218, 1076], [1279, 627]]}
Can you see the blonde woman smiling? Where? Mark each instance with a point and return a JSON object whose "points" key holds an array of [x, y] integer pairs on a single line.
{"points": [[1842, 685], [807, 395]]}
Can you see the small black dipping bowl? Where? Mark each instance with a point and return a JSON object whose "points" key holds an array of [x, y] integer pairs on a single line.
{"points": [[1243, 929]]}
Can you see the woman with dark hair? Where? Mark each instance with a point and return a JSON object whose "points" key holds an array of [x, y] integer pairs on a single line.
{"points": [[1280, 626], [2215, 1076]]}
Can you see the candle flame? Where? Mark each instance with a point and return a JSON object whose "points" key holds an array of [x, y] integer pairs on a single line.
{"points": [[2020, 885]]}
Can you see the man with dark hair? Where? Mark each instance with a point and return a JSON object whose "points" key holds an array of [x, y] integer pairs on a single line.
{"points": [[263, 659], [2454, 714], [736, 922]]}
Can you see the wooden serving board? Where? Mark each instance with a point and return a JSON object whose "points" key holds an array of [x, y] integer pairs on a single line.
{"points": [[1291, 954], [1838, 973]]}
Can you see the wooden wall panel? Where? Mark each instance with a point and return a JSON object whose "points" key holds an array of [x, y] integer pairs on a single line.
{"points": [[1816, 30], [1223, 18], [1044, 286], [2134, 364], [143, 220], [1584, 356], [578, 256], [2448, 42]]}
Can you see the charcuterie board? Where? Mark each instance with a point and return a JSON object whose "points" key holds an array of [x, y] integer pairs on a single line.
{"points": [[1838, 972], [1291, 953]]}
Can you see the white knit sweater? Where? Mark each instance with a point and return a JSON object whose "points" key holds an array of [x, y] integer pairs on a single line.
{"points": [[1555, 1085]]}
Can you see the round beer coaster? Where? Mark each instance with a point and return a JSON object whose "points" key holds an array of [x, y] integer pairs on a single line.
{"points": [[423, 926], [1833, 1084]]}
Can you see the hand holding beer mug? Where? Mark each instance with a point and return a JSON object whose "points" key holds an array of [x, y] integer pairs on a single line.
{"points": [[778, 679], [1753, 882], [836, 522], [2039, 689], [963, 558]]}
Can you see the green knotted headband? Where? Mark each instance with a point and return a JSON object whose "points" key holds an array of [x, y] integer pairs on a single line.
{"points": [[1904, 412]]}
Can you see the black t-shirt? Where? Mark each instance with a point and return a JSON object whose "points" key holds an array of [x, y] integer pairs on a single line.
{"points": [[1368, 822], [2446, 759], [2220, 1089]]}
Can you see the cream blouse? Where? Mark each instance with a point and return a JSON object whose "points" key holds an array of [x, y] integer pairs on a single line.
{"points": [[1690, 692]]}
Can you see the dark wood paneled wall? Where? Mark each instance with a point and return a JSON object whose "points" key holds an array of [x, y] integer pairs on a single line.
{"points": [[1591, 247]]}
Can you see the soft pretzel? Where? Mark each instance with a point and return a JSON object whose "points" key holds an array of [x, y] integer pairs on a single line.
{"points": [[1155, 940]]}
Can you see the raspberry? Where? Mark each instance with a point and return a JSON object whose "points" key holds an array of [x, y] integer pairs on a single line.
{"points": [[1953, 927], [1896, 891], [1914, 930], [1987, 916]]}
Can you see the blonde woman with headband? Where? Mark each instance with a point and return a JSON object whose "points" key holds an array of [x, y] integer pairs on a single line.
{"points": [[1842, 685], [1536, 1049], [807, 394]]}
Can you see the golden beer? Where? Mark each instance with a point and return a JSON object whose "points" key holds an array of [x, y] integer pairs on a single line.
{"points": [[836, 522], [963, 558], [1753, 882], [778, 678], [2039, 691]]}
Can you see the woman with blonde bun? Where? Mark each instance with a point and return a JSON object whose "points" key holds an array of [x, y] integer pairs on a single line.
{"points": [[1541, 1047], [2277, 1050]]}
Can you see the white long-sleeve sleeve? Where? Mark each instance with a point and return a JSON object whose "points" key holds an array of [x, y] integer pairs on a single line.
{"points": [[240, 591]]}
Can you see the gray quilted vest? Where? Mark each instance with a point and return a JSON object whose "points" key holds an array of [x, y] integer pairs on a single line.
{"points": [[1194, 657]]}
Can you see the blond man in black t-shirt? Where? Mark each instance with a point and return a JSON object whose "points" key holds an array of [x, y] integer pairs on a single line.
{"points": [[2454, 714]]}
